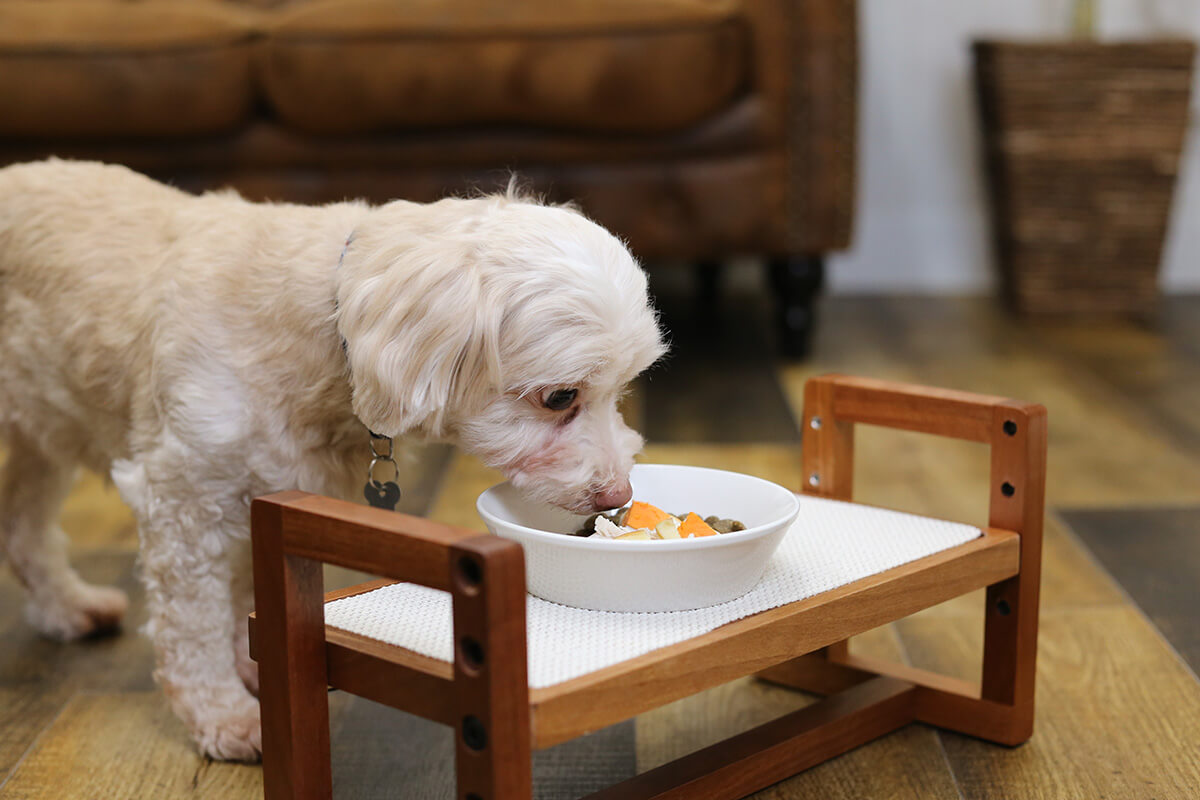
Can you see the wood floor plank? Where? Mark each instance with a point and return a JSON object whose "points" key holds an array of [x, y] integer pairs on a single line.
{"points": [[123, 660], [380, 753], [93, 516], [465, 479], [695, 722], [720, 345], [632, 406], [693, 404], [125, 746], [1179, 321], [24, 713], [1156, 371], [1118, 714], [38, 677], [1155, 555], [688, 398], [422, 467]]}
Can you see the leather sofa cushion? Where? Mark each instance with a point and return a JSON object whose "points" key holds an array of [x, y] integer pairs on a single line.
{"points": [[77, 68], [360, 66]]}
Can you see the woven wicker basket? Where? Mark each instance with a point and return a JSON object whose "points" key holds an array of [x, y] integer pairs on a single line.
{"points": [[1083, 144]]}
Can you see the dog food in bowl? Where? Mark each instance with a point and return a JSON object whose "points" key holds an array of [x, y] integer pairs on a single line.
{"points": [[645, 522], [648, 575]]}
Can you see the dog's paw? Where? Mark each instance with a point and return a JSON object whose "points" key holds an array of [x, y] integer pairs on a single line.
{"points": [[230, 734], [85, 610]]}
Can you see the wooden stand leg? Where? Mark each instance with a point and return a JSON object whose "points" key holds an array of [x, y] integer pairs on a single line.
{"points": [[1001, 709], [290, 645], [494, 752], [1018, 477], [827, 458], [1018, 503]]}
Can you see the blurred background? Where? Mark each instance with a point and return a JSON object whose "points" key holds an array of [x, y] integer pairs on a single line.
{"points": [[1001, 197]]}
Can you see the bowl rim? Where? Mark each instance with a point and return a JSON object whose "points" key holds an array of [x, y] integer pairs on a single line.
{"points": [[700, 542]]}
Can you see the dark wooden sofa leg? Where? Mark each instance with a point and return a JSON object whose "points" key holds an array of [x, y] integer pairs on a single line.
{"points": [[796, 281], [708, 288]]}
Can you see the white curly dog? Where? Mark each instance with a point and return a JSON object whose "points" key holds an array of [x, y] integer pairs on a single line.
{"points": [[205, 350]]}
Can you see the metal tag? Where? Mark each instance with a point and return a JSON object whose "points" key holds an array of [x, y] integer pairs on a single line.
{"points": [[382, 494]]}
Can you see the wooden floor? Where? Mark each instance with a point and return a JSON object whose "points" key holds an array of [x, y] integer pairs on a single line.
{"points": [[1118, 708]]}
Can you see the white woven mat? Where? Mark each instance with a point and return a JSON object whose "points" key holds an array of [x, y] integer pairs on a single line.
{"points": [[831, 544]]}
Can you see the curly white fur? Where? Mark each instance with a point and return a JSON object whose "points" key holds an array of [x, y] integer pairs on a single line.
{"points": [[192, 348]]}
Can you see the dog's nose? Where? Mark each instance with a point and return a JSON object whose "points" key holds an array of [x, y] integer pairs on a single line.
{"points": [[612, 497]]}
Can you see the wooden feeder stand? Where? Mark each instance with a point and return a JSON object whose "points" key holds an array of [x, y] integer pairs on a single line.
{"points": [[484, 694]]}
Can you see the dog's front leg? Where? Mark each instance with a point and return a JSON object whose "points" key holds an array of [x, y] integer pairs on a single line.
{"points": [[188, 579], [189, 545]]}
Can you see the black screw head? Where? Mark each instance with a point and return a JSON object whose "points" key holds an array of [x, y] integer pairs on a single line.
{"points": [[471, 651], [1007, 489], [1003, 608], [473, 733], [469, 572], [1010, 427]]}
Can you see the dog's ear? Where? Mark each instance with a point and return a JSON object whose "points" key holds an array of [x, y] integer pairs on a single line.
{"points": [[421, 340]]}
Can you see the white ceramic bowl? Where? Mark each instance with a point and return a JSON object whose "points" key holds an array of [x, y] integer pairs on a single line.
{"points": [[658, 575]]}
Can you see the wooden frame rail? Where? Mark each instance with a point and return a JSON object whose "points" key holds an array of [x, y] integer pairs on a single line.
{"points": [[1001, 708]]}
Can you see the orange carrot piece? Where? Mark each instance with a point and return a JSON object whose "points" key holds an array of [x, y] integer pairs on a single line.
{"points": [[644, 515], [693, 525]]}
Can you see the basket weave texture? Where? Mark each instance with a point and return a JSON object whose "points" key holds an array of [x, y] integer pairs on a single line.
{"points": [[1083, 144]]}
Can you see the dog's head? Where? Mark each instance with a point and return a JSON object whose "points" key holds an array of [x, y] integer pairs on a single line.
{"points": [[507, 326]]}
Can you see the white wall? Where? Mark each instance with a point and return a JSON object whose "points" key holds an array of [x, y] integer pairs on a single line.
{"points": [[922, 222]]}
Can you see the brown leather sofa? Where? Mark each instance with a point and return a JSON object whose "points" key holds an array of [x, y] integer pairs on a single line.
{"points": [[695, 129]]}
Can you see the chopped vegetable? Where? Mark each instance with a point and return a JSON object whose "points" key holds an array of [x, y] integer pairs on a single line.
{"points": [[645, 522], [607, 529], [668, 528], [693, 525], [644, 515], [641, 534]]}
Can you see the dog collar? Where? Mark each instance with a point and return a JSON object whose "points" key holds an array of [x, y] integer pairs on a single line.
{"points": [[342, 258], [380, 494], [346, 247]]}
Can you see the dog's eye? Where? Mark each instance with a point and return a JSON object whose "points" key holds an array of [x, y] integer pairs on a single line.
{"points": [[561, 399]]}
